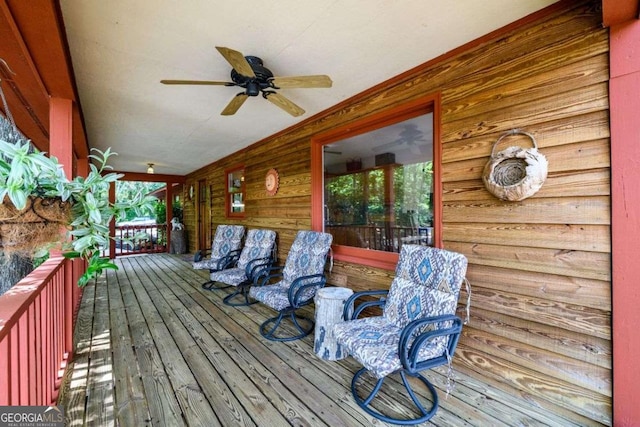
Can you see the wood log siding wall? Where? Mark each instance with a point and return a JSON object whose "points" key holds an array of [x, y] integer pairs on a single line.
{"points": [[540, 269]]}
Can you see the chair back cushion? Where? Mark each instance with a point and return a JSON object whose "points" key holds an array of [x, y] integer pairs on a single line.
{"points": [[307, 255], [410, 302], [227, 238], [427, 284], [432, 267], [258, 244]]}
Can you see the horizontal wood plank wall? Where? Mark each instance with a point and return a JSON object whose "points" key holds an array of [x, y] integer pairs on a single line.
{"points": [[540, 269]]}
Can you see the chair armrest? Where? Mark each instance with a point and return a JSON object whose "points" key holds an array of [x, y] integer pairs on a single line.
{"points": [[412, 339], [300, 284], [201, 254], [347, 315], [267, 274], [228, 260], [255, 267]]}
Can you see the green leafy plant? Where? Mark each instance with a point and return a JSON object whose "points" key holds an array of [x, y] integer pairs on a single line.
{"points": [[161, 212], [27, 173]]}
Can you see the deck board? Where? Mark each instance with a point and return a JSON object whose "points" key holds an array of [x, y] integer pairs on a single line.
{"points": [[162, 402], [155, 349]]}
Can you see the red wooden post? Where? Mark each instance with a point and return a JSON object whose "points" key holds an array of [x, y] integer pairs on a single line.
{"points": [[22, 362], [61, 132], [39, 378], [69, 303], [112, 224], [32, 359], [169, 216], [624, 87], [14, 356], [45, 316]]}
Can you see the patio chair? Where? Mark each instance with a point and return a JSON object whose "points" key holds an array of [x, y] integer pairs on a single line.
{"points": [[225, 251], [418, 328], [256, 256], [301, 276]]}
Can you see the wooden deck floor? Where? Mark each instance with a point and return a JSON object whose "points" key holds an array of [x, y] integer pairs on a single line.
{"points": [[153, 348]]}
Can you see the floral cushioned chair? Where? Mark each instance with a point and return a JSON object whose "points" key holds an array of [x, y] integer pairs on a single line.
{"points": [[225, 251], [256, 256], [302, 275], [418, 328]]}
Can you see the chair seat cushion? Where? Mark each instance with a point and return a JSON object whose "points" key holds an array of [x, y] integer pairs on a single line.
{"points": [[231, 276], [373, 341], [275, 296], [207, 264]]}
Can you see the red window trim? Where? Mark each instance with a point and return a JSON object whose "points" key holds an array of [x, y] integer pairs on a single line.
{"points": [[417, 107]]}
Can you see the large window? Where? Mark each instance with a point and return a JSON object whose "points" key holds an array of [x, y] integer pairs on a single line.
{"points": [[377, 184]]}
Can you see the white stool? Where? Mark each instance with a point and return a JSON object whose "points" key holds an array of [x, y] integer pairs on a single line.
{"points": [[329, 307]]}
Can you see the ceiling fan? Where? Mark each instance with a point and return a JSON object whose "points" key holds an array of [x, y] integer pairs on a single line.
{"points": [[250, 74], [410, 136]]}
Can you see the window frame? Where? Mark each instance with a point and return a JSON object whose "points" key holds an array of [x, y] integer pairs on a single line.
{"points": [[423, 105], [227, 193]]}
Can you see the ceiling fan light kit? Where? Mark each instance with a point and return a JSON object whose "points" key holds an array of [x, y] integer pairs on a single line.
{"points": [[249, 73]]}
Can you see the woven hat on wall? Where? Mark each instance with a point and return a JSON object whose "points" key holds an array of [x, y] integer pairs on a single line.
{"points": [[515, 173]]}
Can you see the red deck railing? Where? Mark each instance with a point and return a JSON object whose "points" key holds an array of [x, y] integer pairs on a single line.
{"points": [[140, 239], [37, 318]]}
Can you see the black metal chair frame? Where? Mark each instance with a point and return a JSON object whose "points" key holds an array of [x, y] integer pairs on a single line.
{"points": [[254, 269], [298, 286], [227, 261], [411, 340]]}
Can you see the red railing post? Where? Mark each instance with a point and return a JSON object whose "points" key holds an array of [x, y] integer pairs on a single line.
{"points": [[69, 305]]}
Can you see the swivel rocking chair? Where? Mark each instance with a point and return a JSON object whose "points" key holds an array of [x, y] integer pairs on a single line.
{"points": [[301, 276], [225, 251], [418, 328]]}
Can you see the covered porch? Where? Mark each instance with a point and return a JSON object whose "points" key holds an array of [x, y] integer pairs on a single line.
{"points": [[153, 348]]}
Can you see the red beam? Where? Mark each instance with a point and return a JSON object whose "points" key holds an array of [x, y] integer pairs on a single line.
{"points": [[35, 47], [624, 87], [26, 94], [61, 129]]}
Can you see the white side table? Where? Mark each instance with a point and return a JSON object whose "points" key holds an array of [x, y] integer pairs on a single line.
{"points": [[329, 307]]}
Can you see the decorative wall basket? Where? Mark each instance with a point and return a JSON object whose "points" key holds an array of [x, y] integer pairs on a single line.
{"points": [[515, 173], [33, 227]]}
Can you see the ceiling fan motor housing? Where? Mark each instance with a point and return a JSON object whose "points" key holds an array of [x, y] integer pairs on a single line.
{"points": [[253, 84]]}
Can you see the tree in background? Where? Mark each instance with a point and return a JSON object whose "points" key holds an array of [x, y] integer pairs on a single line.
{"points": [[126, 190]]}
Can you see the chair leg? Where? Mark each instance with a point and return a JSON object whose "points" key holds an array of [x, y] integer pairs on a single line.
{"points": [[426, 414], [240, 289], [293, 317], [211, 285]]}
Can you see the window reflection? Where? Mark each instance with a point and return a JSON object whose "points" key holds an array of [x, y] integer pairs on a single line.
{"points": [[235, 192], [378, 187]]}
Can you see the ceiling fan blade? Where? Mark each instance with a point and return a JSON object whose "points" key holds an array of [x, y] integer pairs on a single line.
{"points": [[196, 82], [284, 103], [237, 61], [302, 81], [235, 104]]}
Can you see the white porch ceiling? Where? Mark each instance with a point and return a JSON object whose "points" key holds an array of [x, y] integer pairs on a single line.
{"points": [[121, 49]]}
